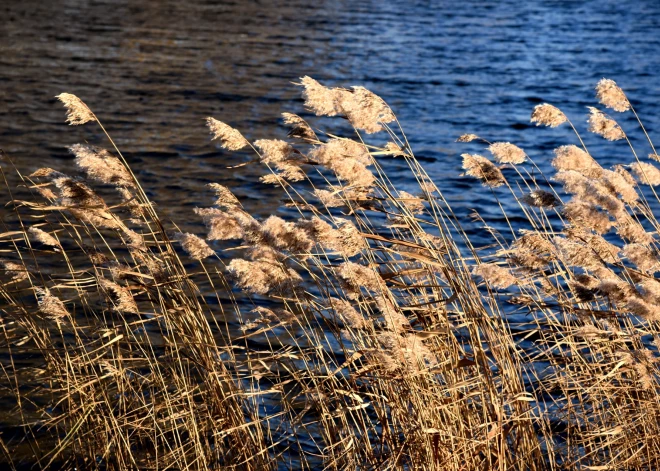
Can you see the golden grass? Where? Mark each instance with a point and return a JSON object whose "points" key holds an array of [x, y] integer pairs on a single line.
{"points": [[375, 335]]}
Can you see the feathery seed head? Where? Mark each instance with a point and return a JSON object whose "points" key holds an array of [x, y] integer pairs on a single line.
{"points": [[299, 127], [620, 182], [44, 237], [412, 203], [337, 149], [283, 235], [194, 246], [274, 150], [467, 138], [321, 100], [507, 153], [358, 276], [646, 173], [540, 199], [100, 165], [573, 158], [548, 115], [17, 271], [644, 258], [221, 225], [611, 95], [230, 138], [262, 277], [498, 277], [226, 198], [77, 112], [604, 126], [51, 306], [121, 297], [483, 169], [329, 199], [348, 314], [366, 110], [583, 214], [631, 230]]}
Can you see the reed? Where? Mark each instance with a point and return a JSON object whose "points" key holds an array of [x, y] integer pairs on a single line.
{"points": [[373, 334]]}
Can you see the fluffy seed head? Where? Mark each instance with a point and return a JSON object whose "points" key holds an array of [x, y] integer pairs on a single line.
{"points": [[366, 110], [643, 257], [354, 173], [620, 182], [262, 277], [51, 306], [101, 166], [336, 150], [498, 277], [573, 158], [348, 314], [330, 199], [611, 95], [643, 309], [77, 112], [226, 198], [540, 199], [483, 169], [17, 271], [320, 100], [412, 203], [121, 297], [283, 235], [548, 115], [631, 230], [358, 276], [586, 215], [394, 149], [221, 225], [467, 138], [576, 254], [646, 173], [606, 251], [274, 150], [229, 137], [507, 153], [346, 239], [299, 127], [604, 126], [44, 237], [194, 246]]}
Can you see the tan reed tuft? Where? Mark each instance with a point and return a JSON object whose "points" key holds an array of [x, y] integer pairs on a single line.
{"points": [[229, 137], [507, 153], [604, 126], [77, 112], [480, 167], [611, 95], [548, 115]]}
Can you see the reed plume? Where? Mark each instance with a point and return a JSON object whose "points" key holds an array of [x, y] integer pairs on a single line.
{"points": [[77, 112], [230, 138], [611, 95], [548, 115]]}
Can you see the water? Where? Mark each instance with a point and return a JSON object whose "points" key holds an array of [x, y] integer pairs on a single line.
{"points": [[153, 71]]}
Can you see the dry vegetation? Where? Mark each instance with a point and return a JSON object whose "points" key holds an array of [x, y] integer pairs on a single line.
{"points": [[374, 334]]}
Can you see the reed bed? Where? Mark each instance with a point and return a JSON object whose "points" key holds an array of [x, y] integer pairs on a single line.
{"points": [[374, 334]]}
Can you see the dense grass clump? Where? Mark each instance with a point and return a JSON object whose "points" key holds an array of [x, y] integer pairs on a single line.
{"points": [[373, 333]]}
